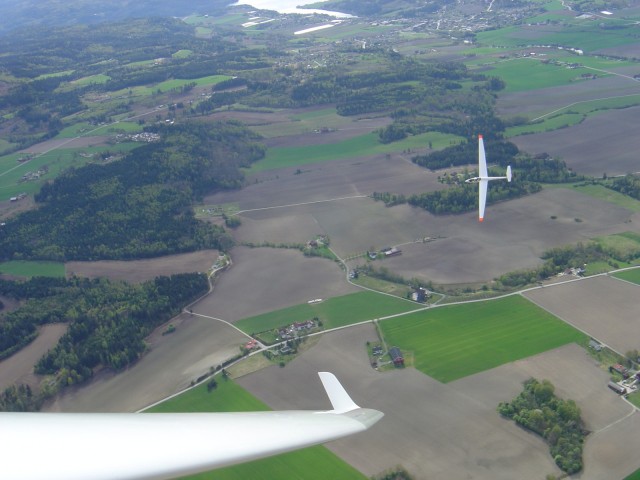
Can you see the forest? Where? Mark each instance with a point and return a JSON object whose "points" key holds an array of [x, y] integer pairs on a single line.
{"points": [[558, 421], [108, 322], [139, 206]]}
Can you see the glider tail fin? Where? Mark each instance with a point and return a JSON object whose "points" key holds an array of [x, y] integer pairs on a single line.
{"points": [[340, 399], [508, 173]]}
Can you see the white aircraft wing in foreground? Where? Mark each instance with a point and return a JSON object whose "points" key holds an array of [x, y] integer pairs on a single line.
{"points": [[117, 446], [484, 178]]}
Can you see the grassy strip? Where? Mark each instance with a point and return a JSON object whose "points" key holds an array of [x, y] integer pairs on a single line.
{"points": [[456, 341], [22, 268], [630, 276], [359, 146], [333, 312], [315, 463]]}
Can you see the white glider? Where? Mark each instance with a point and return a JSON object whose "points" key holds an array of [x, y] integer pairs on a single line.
{"points": [[483, 179], [118, 446]]}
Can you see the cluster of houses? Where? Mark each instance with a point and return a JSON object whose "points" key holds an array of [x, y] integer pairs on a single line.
{"points": [[145, 137], [295, 329], [30, 176]]}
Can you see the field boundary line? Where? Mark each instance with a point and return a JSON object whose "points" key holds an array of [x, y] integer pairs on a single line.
{"points": [[582, 101], [298, 204]]}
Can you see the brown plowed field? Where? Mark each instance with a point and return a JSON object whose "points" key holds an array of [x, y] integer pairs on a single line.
{"points": [[18, 368], [170, 366], [513, 235], [604, 143], [266, 279], [603, 307], [533, 103], [143, 270]]}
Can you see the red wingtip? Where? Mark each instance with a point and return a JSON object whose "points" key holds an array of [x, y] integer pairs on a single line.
{"points": [[480, 219], [479, 137]]}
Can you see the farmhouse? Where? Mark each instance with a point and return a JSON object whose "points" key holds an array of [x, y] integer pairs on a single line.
{"points": [[396, 356], [617, 368], [420, 295]]}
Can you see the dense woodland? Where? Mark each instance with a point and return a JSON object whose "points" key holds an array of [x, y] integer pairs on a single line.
{"points": [[557, 421], [108, 322], [139, 206], [627, 185]]}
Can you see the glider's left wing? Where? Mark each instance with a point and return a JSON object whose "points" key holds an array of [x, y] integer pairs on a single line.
{"points": [[482, 198], [128, 446]]}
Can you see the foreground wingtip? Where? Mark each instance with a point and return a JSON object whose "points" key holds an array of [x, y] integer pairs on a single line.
{"points": [[481, 219], [340, 399]]}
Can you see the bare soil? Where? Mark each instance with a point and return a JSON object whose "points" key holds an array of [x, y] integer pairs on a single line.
{"points": [[433, 430], [602, 306], [513, 235], [172, 363], [603, 143], [79, 142], [266, 279], [439, 431], [9, 208], [18, 368], [323, 181], [136, 271], [533, 103]]}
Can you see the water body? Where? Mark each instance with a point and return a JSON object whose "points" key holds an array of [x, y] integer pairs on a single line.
{"points": [[289, 6]]}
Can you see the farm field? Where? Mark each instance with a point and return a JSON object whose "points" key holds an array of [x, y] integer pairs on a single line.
{"points": [[431, 429], [521, 230], [263, 280], [629, 275], [308, 464], [605, 308], [605, 143], [333, 312], [18, 368], [22, 268], [456, 341], [55, 158], [359, 146], [171, 364], [142, 270], [606, 194], [606, 92]]}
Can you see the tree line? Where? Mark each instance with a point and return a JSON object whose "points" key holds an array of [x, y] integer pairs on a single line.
{"points": [[558, 421], [139, 206]]}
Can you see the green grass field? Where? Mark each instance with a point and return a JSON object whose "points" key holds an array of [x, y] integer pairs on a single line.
{"points": [[635, 475], [455, 341], [315, 463], [56, 160], [630, 276], [362, 145], [550, 123], [522, 74], [84, 128], [625, 246], [333, 312], [23, 268]]}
